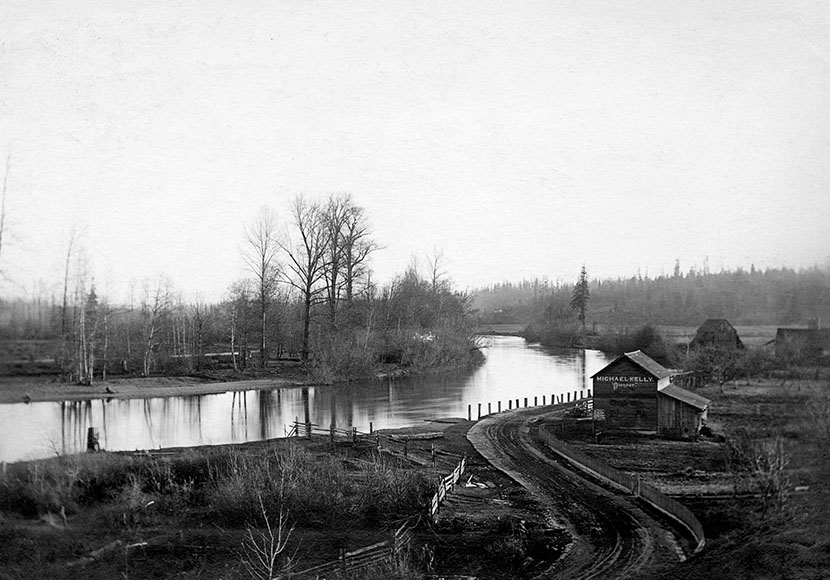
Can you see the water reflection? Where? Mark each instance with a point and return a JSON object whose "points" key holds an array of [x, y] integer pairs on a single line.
{"points": [[514, 370]]}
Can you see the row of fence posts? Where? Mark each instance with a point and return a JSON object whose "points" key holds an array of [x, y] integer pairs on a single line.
{"points": [[554, 400]]}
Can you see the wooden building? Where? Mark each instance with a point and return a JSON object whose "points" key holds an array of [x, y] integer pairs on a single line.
{"points": [[718, 334], [634, 392], [680, 413], [803, 345], [625, 392]]}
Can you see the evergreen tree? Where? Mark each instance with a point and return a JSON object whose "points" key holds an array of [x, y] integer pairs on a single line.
{"points": [[580, 296]]}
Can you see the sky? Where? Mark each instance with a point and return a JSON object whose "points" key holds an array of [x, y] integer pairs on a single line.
{"points": [[518, 139]]}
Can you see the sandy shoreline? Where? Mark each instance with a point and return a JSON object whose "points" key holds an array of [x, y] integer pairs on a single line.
{"points": [[22, 390]]}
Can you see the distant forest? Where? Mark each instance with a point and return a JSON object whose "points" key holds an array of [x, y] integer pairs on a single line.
{"points": [[770, 297]]}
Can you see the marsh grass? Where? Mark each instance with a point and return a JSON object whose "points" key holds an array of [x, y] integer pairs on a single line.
{"points": [[324, 491]]}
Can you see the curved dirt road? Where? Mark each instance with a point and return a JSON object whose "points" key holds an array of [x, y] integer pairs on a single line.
{"points": [[612, 537]]}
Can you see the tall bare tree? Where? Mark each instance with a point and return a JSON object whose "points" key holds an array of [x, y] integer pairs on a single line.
{"points": [[260, 257], [306, 258], [357, 247], [334, 218], [155, 309]]}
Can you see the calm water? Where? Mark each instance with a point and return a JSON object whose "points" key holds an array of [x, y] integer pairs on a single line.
{"points": [[514, 369]]}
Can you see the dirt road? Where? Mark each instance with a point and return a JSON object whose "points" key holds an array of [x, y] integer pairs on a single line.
{"points": [[612, 536]]}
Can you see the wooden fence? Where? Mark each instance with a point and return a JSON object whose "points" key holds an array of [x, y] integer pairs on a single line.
{"points": [[445, 485], [484, 409], [388, 551], [667, 505]]}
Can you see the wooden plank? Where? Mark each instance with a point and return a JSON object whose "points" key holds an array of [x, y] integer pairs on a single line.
{"points": [[384, 544]]}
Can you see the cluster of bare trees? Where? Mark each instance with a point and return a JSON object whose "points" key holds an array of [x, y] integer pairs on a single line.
{"points": [[307, 294], [320, 256]]}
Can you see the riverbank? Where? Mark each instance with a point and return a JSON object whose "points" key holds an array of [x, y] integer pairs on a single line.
{"points": [[27, 390], [37, 389]]}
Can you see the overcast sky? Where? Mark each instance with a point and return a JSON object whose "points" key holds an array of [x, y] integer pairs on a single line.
{"points": [[521, 138]]}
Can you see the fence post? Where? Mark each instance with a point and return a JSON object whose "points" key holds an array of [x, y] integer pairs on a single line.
{"points": [[354, 434], [589, 393], [308, 430], [535, 401], [499, 406], [543, 400], [331, 433], [371, 428], [517, 403], [489, 410], [479, 411], [469, 412], [509, 404], [343, 559], [569, 396]]}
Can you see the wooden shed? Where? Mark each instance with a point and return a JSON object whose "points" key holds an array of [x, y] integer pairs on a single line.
{"points": [[680, 413], [718, 334], [625, 392]]}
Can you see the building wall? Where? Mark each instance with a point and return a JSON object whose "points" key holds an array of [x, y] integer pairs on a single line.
{"points": [[677, 419], [626, 396]]}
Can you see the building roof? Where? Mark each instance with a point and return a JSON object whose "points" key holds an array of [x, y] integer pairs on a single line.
{"points": [[685, 396], [716, 330], [643, 361]]}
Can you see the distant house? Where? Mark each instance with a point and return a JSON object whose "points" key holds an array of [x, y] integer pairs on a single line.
{"points": [[716, 333], [634, 392], [802, 344]]}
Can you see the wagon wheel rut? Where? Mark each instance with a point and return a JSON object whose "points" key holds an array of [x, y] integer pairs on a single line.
{"points": [[611, 536]]}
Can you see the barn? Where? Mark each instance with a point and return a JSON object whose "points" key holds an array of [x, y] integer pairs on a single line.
{"points": [[718, 334], [634, 392]]}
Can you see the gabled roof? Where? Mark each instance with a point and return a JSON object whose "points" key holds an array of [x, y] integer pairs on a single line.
{"points": [[643, 361], [685, 396], [715, 329]]}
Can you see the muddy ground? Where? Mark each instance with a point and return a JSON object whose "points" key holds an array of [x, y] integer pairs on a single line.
{"points": [[491, 527]]}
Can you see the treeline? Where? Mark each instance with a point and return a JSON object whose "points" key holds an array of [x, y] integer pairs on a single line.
{"points": [[770, 297], [308, 295]]}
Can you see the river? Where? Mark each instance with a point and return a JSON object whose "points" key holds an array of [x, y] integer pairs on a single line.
{"points": [[514, 369]]}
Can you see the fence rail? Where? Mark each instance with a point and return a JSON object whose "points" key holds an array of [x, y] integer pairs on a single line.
{"points": [[444, 486], [381, 552], [648, 493]]}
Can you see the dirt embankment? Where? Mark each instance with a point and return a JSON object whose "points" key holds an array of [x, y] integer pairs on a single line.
{"points": [[612, 536]]}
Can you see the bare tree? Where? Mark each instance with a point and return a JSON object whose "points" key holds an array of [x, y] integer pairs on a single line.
{"points": [[261, 260], [155, 308], [357, 247], [306, 264], [65, 320], [238, 314], [334, 218], [200, 322]]}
